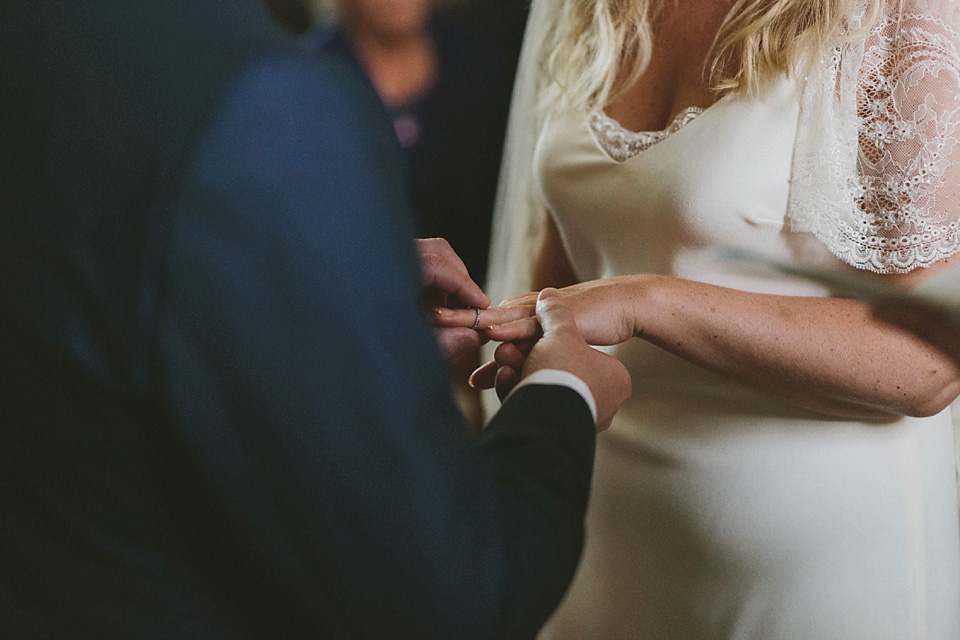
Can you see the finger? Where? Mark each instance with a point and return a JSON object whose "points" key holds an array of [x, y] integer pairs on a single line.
{"points": [[488, 317], [456, 342], [526, 299], [525, 346], [513, 354], [485, 376], [523, 329], [507, 379], [433, 299], [554, 315], [442, 275], [441, 247], [444, 270]]}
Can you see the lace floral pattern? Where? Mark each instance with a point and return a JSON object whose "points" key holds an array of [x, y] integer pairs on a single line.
{"points": [[877, 163], [621, 144]]}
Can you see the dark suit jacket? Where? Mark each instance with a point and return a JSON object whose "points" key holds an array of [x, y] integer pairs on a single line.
{"points": [[452, 165], [222, 414]]}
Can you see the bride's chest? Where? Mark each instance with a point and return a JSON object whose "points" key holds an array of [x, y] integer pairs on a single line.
{"points": [[716, 177]]}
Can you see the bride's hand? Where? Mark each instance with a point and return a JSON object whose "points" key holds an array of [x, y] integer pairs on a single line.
{"points": [[606, 312]]}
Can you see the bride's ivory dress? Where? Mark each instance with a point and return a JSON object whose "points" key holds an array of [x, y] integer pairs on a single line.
{"points": [[718, 512]]}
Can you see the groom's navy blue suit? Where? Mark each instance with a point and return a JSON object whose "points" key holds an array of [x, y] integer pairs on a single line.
{"points": [[222, 414]]}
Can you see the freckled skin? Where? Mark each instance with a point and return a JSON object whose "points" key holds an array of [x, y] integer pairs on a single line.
{"points": [[829, 355], [823, 354]]}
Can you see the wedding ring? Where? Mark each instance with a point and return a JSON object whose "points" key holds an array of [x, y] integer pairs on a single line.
{"points": [[476, 321]]}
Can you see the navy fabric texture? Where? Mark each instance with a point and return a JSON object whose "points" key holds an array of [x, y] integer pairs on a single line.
{"points": [[222, 413]]}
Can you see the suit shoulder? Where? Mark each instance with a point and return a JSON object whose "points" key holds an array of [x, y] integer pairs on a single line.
{"points": [[324, 82], [300, 136]]}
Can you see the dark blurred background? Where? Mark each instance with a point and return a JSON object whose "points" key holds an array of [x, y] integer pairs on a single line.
{"points": [[501, 20], [444, 72]]}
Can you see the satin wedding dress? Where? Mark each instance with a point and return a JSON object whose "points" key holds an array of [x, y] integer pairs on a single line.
{"points": [[718, 512]]}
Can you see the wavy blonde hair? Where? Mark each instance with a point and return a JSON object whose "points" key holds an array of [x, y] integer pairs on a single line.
{"points": [[595, 49]]}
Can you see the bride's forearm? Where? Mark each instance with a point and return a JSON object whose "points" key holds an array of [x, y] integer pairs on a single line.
{"points": [[828, 355], [825, 354]]}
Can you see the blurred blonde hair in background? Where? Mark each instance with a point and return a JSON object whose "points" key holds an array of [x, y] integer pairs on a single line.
{"points": [[588, 41]]}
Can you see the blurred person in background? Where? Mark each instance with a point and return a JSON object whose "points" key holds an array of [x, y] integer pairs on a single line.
{"points": [[446, 87], [296, 16]]}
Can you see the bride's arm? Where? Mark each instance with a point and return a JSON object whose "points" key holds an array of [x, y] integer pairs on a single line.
{"points": [[826, 354], [552, 267], [829, 355]]}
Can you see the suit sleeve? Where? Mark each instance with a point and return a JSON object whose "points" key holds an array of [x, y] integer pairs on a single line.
{"points": [[299, 375]]}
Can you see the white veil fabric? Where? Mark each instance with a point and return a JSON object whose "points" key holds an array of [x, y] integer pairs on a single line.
{"points": [[518, 218], [876, 168], [519, 214]]}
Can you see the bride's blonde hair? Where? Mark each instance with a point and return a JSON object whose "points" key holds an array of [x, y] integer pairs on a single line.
{"points": [[596, 48]]}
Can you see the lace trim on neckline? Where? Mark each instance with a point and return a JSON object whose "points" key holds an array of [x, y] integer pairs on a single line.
{"points": [[621, 144]]}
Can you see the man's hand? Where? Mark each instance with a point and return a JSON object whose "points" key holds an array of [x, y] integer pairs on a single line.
{"points": [[446, 285], [561, 347]]}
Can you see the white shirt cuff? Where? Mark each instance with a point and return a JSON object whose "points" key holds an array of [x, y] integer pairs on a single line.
{"points": [[561, 378]]}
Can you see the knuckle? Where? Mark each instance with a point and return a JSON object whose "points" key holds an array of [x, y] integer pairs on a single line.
{"points": [[432, 260]]}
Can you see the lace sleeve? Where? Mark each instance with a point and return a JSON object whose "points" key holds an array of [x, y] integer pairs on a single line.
{"points": [[877, 163]]}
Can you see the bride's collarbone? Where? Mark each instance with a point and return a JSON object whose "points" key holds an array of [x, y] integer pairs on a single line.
{"points": [[677, 76], [654, 106]]}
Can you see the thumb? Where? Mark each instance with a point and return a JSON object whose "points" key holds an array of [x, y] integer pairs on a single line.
{"points": [[554, 315]]}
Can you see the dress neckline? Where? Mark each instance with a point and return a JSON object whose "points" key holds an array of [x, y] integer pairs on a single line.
{"points": [[621, 143]]}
